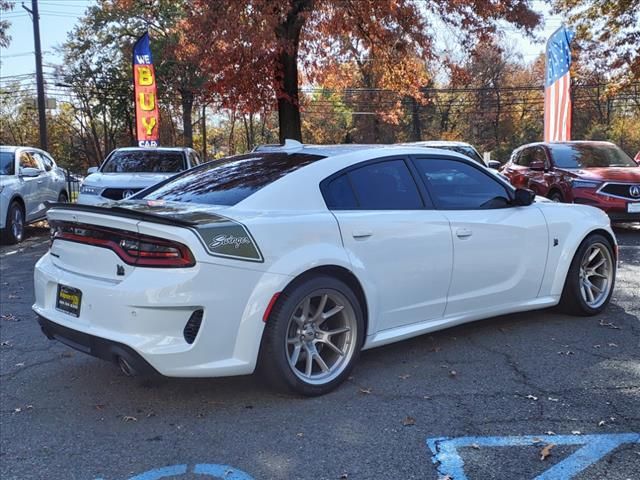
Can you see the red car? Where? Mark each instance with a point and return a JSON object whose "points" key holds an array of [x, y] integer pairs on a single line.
{"points": [[591, 173]]}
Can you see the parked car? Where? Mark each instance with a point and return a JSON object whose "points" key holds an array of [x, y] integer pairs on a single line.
{"points": [[126, 171], [583, 172], [28, 178], [296, 258]]}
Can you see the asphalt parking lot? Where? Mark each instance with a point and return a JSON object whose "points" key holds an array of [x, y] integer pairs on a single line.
{"points": [[513, 397]]}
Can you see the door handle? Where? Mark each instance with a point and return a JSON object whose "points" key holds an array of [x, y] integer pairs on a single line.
{"points": [[361, 234], [463, 233]]}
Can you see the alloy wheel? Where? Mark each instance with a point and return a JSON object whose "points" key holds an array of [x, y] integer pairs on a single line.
{"points": [[17, 224], [596, 272], [321, 337]]}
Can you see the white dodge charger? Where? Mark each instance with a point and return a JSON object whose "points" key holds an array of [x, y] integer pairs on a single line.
{"points": [[293, 259]]}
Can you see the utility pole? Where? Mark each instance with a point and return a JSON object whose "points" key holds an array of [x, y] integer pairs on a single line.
{"points": [[204, 133], [42, 114]]}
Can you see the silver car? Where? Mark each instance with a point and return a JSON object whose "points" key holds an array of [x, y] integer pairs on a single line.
{"points": [[28, 178]]}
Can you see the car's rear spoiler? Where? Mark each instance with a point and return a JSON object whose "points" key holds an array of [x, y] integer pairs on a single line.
{"points": [[120, 212]]}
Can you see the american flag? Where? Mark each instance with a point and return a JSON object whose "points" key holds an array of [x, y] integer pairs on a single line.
{"points": [[557, 98]]}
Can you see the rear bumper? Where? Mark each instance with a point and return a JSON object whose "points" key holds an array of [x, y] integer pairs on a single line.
{"points": [[96, 346], [146, 313]]}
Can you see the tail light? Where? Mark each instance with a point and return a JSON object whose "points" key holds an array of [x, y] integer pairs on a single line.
{"points": [[133, 248]]}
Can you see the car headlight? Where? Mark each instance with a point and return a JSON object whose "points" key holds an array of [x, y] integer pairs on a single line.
{"points": [[579, 183], [89, 190]]}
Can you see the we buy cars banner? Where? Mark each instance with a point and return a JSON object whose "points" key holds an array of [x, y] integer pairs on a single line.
{"points": [[144, 85]]}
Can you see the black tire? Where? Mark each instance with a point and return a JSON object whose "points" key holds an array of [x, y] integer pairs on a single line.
{"points": [[556, 196], [14, 233], [63, 198], [572, 301], [273, 362]]}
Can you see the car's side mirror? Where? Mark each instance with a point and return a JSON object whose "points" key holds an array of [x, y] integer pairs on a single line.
{"points": [[30, 172], [91, 170], [494, 164], [537, 165], [523, 197]]}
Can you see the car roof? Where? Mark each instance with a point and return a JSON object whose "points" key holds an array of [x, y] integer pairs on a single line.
{"points": [[571, 142], [438, 143], [15, 148], [154, 149]]}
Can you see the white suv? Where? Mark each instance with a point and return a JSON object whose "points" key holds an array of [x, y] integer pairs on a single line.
{"points": [[128, 170], [28, 178]]}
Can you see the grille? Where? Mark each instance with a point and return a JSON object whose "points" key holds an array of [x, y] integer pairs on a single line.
{"points": [[118, 193], [192, 327], [621, 190]]}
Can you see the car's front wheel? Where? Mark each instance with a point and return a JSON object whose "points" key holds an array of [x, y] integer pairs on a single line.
{"points": [[591, 277], [313, 336]]}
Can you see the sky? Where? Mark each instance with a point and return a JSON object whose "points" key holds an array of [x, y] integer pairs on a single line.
{"points": [[57, 18]]}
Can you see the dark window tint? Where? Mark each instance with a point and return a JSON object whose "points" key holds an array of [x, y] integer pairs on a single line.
{"points": [[7, 163], [455, 185], [231, 180], [525, 157], [339, 194], [385, 186], [584, 155], [156, 161]]}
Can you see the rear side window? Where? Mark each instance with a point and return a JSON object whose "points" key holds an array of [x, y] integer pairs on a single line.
{"points": [[525, 157], [230, 180], [386, 185], [148, 161]]}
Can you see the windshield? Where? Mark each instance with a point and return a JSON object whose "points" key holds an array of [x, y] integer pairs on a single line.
{"points": [[467, 151], [585, 155], [7, 165], [148, 161], [231, 180]]}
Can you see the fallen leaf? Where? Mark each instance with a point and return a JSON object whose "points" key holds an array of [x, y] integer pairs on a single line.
{"points": [[446, 477], [609, 325], [551, 399], [576, 432], [344, 476], [409, 421], [453, 373], [99, 406], [21, 364], [601, 423], [476, 446], [546, 451], [536, 440], [12, 296], [404, 377], [426, 397], [365, 391], [551, 433], [17, 410], [28, 407], [612, 345], [151, 414], [128, 418], [596, 346], [6, 343], [9, 317], [532, 397], [301, 434]]}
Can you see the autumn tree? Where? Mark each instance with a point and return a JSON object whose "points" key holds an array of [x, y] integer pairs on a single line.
{"points": [[5, 6], [260, 48], [607, 30]]}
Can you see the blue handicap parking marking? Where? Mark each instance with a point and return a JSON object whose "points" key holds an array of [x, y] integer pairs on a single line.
{"points": [[210, 470], [594, 447]]}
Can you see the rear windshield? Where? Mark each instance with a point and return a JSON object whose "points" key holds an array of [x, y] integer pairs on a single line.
{"points": [[230, 180], [7, 164], [156, 161], [467, 151], [586, 155]]}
